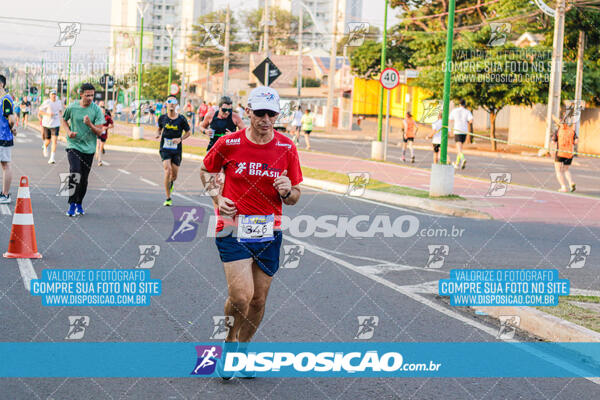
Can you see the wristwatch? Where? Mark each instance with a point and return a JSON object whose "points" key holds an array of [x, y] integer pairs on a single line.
{"points": [[286, 196]]}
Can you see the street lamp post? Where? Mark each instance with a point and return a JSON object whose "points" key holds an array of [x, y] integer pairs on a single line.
{"points": [[382, 67], [138, 132], [171, 32]]}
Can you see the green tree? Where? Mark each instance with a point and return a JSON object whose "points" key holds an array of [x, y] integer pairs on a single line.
{"points": [[155, 80], [365, 60], [283, 34]]}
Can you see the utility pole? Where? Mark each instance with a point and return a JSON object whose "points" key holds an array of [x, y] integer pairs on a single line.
{"points": [[226, 58], [332, 62], [183, 36], [447, 81], [114, 74], [556, 71], [300, 29], [266, 38], [42, 82], [579, 77]]}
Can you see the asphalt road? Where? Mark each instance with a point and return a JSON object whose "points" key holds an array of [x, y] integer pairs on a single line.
{"points": [[540, 174], [337, 280]]}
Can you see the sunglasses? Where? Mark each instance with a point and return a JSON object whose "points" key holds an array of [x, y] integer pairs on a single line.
{"points": [[261, 113], [172, 101], [226, 110]]}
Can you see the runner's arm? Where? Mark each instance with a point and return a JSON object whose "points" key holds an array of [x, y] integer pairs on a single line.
{"points": [[294, 196], [186, 135], [207, 120], [237, 120]]}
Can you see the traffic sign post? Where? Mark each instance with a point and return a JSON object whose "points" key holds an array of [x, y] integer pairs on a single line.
{"points": [[389, 79], [266, 72], [174, 89]]}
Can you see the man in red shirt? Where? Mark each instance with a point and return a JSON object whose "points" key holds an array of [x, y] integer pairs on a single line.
{"points": [[262, 171]]}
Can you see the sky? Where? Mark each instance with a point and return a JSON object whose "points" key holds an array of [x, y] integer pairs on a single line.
{"points": [[25, 40]]}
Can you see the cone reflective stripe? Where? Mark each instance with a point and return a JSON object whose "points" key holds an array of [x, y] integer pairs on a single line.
{"points": [[22, 243]]}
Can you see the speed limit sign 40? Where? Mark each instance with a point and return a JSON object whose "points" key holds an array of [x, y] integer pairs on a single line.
{"points": [[390, 78]]}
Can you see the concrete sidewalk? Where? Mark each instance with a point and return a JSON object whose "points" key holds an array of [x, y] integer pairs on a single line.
{"points": [[518, 204]]}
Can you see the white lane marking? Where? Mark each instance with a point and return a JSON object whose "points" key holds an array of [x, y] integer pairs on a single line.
{"points": [[393, 286], [584, 292], [410, 292], [106, 163], [124, 171], [148, 182], [22, 140], [27, 271], [380, 204], [4, 209]]}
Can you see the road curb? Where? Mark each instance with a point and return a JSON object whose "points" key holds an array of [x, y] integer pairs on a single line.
{"points": [[543, 325], [402, 201]]}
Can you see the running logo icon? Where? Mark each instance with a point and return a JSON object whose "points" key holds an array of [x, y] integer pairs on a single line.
{"points": [[573, 111], [437, 255], [68, 33], [431, 110], [366, 326], [207, 359], [241, 167], [68, 183], [579, 254], [148, 254], [499, 182], [292, 254], [508, 326], [356, 33], [358, 183], [213, 33], [222, 324], [185, 224], [499, 33], [77, 325], [214, 184]]}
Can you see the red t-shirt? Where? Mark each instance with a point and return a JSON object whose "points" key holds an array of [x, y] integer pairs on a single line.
{"points": [[202, 110], [250, 170]]}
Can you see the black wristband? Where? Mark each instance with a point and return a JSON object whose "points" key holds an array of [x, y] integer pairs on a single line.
{"points": [[287, 195]]}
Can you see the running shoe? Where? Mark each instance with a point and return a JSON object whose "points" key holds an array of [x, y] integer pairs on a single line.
{"points": [[572, 187], [168, 202], [412, 159], [99, 163], [227, 347], [71, 211], [171, 187], [79, 210], [51, 160], [563, 190], [243, 348], [4, 198], [463, 164]]}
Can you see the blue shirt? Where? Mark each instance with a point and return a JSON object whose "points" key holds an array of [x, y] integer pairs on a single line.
{"points": [[6, 136]]}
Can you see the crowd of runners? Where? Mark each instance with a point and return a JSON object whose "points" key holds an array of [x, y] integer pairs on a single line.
{"points": [[261, 172]]}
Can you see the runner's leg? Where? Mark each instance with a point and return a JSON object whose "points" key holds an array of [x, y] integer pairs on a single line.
{"points": [[559, 175], [167, 181], [174, 172], [256, 309], [568, 175], [240, 287], [6, 177], [53, 148], [86, 166]]}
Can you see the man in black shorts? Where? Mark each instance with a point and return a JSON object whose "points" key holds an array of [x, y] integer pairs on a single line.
{"points": [[50, 112], [170, 128]]}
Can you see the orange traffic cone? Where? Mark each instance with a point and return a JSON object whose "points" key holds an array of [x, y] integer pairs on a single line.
{"points": [[22, 243]]}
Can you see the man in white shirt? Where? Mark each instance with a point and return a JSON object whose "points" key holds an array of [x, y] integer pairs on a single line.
{"points": [[50, 111], [462, 118], [297, 124]]}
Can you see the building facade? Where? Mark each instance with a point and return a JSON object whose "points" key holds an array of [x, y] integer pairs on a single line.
{"points": [[125, 25]]}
